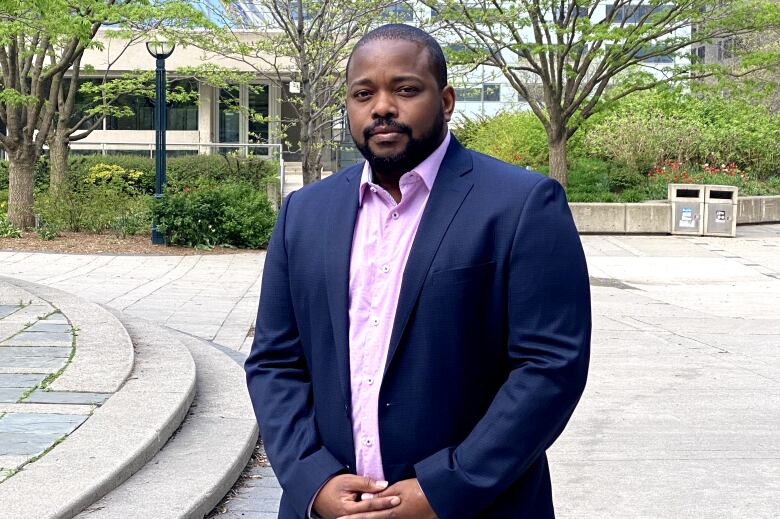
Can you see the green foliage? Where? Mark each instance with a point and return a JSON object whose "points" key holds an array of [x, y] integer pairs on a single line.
{"points": [[47, 232], [108, 173], [7, 229], [191, 170], [651, 128], [210, 214], [184, 171], [95, 208], [517, 138], [87, 169]]}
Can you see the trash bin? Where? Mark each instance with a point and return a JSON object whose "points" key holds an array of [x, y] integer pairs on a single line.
{"points": [[687, 208], [720, 210]]}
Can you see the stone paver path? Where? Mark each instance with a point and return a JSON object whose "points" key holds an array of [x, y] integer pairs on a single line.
{"points": [[36, 342], [212, 297]]}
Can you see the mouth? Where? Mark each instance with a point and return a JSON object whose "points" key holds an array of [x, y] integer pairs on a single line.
{"points": [[384, 131], [386, 135]]}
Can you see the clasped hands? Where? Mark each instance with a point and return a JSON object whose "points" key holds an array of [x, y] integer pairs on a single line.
{"points": [[340, 498]]}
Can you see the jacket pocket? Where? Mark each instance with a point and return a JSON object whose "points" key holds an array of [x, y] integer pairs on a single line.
{"points": [[463, 274]]}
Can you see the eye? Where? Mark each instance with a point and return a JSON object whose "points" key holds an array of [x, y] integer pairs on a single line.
{"points": [[408, 90], [361, 94]]}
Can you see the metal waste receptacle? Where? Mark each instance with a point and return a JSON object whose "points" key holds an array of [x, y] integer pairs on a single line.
{"points": [[720, 210], [687, 208]]}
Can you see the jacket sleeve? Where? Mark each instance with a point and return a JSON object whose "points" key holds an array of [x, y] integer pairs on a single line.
{"points": [[549, 325], [280, 386]]}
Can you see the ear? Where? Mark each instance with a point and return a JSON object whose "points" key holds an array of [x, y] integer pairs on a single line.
{"points": [[448, 102]]}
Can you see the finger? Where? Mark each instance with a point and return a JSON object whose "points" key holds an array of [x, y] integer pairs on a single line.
{"points": [[372, 505], [366, 495], [363, 484]]}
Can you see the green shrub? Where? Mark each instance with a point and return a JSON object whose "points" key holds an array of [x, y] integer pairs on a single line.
{"points": [[82, 168], [229, 213], [653, 127], [47, 232], [8, 230], [129, 179], [190, 170], [622, 179], [93, 208], [3, 201], [518, 138]]}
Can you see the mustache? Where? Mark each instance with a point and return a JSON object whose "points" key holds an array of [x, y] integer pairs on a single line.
{"points": [[386, 123]]}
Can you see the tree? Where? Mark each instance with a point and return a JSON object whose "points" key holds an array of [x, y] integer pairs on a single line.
{"points": [[583, 55], [75, 121], [40, 41], [301, 41]]}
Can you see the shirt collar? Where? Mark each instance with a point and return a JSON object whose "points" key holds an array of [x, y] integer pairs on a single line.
{"points": [[427, 169]]}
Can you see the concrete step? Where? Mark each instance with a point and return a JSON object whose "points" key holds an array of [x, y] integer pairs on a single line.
{"points": [[119, 437], [202, 461], [294, 180]]}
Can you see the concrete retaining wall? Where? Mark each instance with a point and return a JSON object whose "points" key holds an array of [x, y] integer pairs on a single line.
{"points": [[655, 217], [758, 209]]}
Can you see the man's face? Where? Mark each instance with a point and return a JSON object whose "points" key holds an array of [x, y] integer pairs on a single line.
{"points": [[396, 110]]}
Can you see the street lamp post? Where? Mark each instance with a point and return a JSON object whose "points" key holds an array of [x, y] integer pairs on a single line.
{"points": [[159, 50]]}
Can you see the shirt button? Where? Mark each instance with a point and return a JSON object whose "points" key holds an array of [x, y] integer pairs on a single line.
{"points": [[373, 189], [368, 442], [385, 268], [395, 215], [370, 381], [374, 321]]}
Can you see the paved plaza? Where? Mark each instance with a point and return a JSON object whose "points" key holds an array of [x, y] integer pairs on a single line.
{"points": [[680, 418]]}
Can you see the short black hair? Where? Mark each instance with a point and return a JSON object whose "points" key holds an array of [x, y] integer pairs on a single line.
{"points": [[400, 31]]}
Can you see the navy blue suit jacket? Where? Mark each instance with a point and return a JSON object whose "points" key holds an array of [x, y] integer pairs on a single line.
{"points": [[489, 349]]}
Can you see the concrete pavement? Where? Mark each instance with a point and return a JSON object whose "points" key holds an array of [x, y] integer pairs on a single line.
{"points": [[681, 414]]}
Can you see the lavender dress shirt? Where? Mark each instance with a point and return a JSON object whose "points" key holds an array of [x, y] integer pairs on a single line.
{"points": [[383, 236]]}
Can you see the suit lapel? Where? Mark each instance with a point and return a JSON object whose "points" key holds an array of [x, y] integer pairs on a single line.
{"points": [[450, 188], [338, 248]]}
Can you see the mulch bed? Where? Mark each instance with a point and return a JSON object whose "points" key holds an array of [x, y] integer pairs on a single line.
{"points": [[88, 243]]}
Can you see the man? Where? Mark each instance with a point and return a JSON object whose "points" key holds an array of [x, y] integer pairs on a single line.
{"points": [[424, 324]]}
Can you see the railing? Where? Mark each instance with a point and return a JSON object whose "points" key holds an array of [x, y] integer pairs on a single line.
{"points": [[244, 149]]}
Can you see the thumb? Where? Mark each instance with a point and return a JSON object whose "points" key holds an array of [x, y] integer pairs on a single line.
{"points": [[365, 484]]}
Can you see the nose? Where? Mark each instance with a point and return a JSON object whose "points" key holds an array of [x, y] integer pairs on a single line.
{"points": [[384, 106]]}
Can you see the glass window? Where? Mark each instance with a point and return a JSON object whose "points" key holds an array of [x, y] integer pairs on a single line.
{"points": [[229, 114], [258, 114], [664, 58], [634, 13], [179, 116], [399, 13], [490, 91]]}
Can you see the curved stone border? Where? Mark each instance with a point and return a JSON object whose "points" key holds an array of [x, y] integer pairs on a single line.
{"points": [[655, 217], [104, 352], [116, 441], [200, 464]]}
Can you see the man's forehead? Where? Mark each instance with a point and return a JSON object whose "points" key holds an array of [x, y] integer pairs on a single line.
{"points": [[409, 51]]}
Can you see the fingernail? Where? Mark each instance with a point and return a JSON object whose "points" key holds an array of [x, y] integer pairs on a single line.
{"points": [[382, 484], [395, 500], [365, 496]]}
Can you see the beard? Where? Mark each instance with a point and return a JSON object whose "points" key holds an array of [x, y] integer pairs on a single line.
{"points": [[415, 151]]}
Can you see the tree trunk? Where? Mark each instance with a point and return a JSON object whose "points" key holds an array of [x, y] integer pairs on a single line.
{"points": [[558, 169], [311, 163], [59, 151], [21, 182]]}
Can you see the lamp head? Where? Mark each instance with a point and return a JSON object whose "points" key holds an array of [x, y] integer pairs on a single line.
{"points": [[160, 49]]}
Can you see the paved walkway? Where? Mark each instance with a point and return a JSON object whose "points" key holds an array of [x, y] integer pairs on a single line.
{"points": [[680, 417], [213, 297]]}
